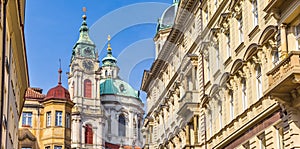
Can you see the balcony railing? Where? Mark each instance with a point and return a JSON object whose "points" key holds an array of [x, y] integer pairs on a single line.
{"points": [[285, 77]]}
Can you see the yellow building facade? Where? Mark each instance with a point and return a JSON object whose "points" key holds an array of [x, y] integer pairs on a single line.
{"points": [[227, 74], [13, 71], [46, 119]]}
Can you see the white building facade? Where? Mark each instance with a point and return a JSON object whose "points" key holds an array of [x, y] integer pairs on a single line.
{"points": [[108, 111]]}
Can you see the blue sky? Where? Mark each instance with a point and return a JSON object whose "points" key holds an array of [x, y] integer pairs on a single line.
{"points": [[52, 28]]}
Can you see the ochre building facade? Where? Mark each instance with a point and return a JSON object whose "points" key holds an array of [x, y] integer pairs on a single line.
{"points": [[13, 71]]}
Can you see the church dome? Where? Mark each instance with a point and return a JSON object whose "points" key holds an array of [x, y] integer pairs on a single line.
{"points": [[168, 17], [58, 92], [111, 86]]}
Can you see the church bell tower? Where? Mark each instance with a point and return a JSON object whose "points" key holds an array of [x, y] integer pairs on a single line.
{"points": [[83, 81]]}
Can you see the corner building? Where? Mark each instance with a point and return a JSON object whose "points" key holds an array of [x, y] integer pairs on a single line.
{"points": [[108, 111], [243, 92], [46, 119]]}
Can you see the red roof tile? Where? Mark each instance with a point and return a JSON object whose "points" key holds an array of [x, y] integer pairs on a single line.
{"points": [[34, 93]]}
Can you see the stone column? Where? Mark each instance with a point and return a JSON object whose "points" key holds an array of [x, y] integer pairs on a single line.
{"points": [[283, 37]]}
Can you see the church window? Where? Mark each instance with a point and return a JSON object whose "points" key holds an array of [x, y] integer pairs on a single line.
{"points": [[87, 88], [58, 118], [88, 134], [122, 125]]}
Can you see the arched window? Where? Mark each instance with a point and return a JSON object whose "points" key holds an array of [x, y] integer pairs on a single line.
{"points": [[122, 125], [87, 88], [88, 134], [259, 82]]}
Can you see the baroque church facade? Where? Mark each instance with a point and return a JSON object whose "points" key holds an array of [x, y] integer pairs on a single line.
{"points": [[108, 111]]}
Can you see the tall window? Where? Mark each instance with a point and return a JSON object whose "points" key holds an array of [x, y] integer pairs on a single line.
{"points": [[58, 118], [240, 28], [68, 120], [87, 88], [88, 134], [220, 115], [139, 129], [48, 119], [208, 68], [298, 35], [122, 125], [244, 93], [134, 127], [57, 147], [217, 54], [228, 44], [254, 12], [259, 82], [262, 141], [275, 57], [231, 105], [279, 133], [27, 119], [210, 123]]}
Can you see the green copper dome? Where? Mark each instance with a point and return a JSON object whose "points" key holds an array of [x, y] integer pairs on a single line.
{"points": [[116, 86]]}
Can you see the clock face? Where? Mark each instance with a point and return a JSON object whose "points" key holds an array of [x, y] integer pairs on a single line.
{"points": [[88, 65], [88, 52]]}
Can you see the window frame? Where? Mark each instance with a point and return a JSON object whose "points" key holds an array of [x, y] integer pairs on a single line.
{"points": [[58, 118], [27, 119]]}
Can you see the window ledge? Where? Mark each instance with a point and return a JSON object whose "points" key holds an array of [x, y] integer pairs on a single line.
{"points": [[254, 31], [239, 48], [228, 60]]}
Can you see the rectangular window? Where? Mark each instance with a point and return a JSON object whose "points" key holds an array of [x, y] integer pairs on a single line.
{"points": [[220, 115], [259, 82], [240, 28], [58, 118], [48, 119], [254, 12], [57, 147], [298, 35], [217, 55], [279, 133], [262, 141], [68, 120], [244, 93], [27, 119], [231, 105], [228, 44]]}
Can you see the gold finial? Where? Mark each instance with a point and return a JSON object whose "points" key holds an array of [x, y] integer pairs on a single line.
{"points": [[108, 44], [84, 13]]}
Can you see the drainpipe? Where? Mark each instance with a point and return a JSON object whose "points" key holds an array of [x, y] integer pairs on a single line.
{"points": [[3, 68]]}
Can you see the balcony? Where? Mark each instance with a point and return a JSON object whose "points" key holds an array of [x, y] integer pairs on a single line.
{"points": [[189, 104], [284, 80]]}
